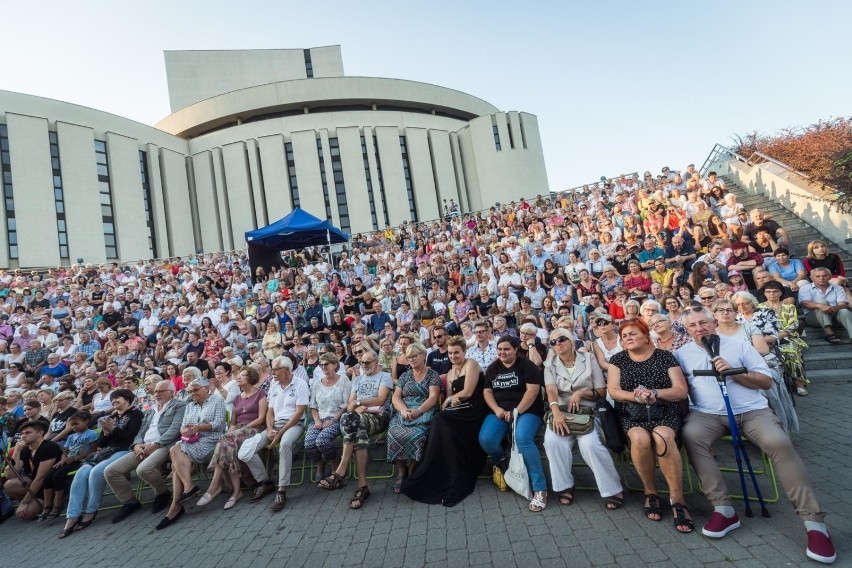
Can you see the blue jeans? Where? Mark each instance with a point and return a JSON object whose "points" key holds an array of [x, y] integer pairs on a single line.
{"points": [[88, 486], [494, 431]]}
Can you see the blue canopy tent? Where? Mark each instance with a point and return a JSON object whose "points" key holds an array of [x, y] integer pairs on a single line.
{"points": [[297, 230]]}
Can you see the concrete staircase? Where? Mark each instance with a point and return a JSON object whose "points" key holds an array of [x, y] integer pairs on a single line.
{"points": [[823, 361]]}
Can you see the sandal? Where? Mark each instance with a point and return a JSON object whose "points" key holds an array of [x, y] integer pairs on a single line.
{"points": [[81, 524], [69, 530], [359, 498], [680, 519], [397, 485], [54, 514], [566, 497], [614, 502], [538, 502], [42, 516], [332, 482], [833, 339], [653, 507]]}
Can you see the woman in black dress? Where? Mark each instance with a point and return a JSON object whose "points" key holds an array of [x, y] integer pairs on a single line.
{"points": [[646, 384], [453, 458]]}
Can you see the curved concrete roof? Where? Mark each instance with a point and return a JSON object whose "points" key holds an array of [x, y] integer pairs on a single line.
{"points": [[293, 96]]}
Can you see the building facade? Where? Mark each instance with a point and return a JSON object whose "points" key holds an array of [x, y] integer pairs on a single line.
{"points": [[251, 135]]}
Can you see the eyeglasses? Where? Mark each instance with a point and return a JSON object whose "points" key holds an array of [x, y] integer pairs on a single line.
{"points": [[368, 361], [602, 322], [706, 298], [724, 310], [159, 391], [558, 341]]}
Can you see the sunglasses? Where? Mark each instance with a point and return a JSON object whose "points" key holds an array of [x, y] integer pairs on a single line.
{"points": [[558, 341], [602, 322]]}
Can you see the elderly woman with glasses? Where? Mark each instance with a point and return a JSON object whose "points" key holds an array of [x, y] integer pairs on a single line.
{"points": [[327, 404], [247, 418], [414, 401], [779, 399], [790, 342], [513, 383], [647, 383], [573, 381], [665, 334], [202, 426]]}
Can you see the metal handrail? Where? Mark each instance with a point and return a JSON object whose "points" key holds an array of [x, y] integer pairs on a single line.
{"points": [[764, 158], [718, 150]]}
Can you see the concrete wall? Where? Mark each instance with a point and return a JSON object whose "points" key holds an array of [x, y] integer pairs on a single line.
{"points": [[128, 205], [810, 204], [197, 75]]}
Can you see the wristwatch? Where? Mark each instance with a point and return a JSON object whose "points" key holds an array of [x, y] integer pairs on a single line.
{"points": [[357, 402]]}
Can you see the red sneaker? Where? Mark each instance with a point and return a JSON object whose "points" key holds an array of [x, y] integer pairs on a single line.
{"points": [[719, 525], [820, 548]]}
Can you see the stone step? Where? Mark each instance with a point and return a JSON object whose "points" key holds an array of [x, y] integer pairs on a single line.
{"points": [[839, 359], [828, 376]]}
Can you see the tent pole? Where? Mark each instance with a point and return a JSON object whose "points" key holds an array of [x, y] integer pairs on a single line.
{"points": [[328, 237]]}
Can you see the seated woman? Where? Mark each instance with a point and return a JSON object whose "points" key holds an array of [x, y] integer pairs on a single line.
{"points": [[513, 382], [790, 342], [453, 458], [247, 419], [414, 402], [646, 383], [666, 335], [118, 431], [573, 381], [328, 403], [203, 424]]}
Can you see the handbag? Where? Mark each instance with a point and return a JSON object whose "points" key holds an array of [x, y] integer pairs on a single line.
{"points": [[516, 476], [636, 412], [610, 426], [98, 456], [579, 423], [190, 439]]}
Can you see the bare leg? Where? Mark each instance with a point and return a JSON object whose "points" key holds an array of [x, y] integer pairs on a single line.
{"points": [[344, 459], [235, 485], [215, 484], [361, 456], [642, 454]]}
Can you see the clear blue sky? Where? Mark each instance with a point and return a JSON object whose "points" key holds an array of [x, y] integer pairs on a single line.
{"points": [[617, 86]]}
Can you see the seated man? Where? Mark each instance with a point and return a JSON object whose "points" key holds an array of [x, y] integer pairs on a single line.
{"points": [[288, 396], [825, 303], [707, 421], [759, 221], [149, 452], [366, 415], [36, 458]]}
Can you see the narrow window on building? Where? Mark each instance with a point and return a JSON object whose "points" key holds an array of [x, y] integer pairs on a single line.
{"points": [[509, 129], [107, 215], [340, 185], [496, 137], [291, 168], [8, 195], [309, 66], [381, 181], [373, 217], [146, 198], [58, 195], [409, 185], [324, 180]]}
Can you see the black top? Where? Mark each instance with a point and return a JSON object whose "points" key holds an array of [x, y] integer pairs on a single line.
{"points": [[46, 451], [439, 362], [57, 422], [127, 425], [509, 384]]}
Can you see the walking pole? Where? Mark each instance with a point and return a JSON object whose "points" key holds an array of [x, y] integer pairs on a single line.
{"points": [[711, 343]]}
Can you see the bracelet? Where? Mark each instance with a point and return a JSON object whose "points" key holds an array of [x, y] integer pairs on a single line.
{"points": [[554, 403]]}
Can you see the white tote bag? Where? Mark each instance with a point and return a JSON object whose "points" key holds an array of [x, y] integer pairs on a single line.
{"points": [[516, 476]]}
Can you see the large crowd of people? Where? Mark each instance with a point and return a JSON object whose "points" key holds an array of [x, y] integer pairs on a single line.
{"points": [[435, 340]]}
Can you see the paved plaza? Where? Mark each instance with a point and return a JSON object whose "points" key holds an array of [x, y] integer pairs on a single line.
{"points": [[487, 529]]}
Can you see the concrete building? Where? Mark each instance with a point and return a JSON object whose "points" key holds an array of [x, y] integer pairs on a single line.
{"points": [[251, 134]]}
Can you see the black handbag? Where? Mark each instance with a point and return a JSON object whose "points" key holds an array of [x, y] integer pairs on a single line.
{"points": [[637, 412], [610, 426]]}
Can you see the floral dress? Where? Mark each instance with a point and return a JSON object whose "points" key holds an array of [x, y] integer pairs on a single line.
{"points": [[407, 439], [794, 346]]}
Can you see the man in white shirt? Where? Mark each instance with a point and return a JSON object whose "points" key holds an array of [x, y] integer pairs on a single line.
{"points": [[825, 303], [148, 325], [149, 452], [288, 397], [707, 421]]}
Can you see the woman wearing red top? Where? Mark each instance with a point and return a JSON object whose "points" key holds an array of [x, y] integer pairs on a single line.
{"points": [[636, 280]]}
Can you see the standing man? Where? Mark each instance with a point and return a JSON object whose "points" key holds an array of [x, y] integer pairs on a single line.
{"points": [[149, 452], [707, 421]]}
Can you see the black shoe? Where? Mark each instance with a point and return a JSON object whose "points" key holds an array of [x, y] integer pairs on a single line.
{"points": [[161, 502], [126, 510], [261, 490], [167, 522], [189, 494]]}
